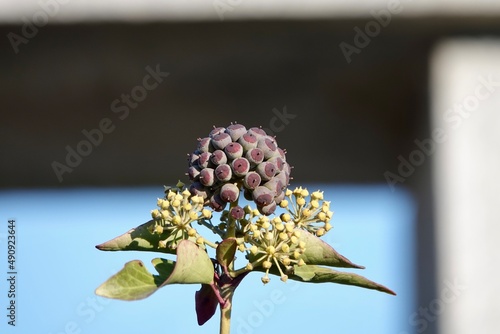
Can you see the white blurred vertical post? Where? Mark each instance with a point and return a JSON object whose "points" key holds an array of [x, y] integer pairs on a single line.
{"points": [[465, 91]]}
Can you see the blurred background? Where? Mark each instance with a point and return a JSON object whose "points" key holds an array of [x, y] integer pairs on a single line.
{"points": [[387, 104]]}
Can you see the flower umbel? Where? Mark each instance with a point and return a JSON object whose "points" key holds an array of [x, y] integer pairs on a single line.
{"points": [[308, 212], [175, 215]]}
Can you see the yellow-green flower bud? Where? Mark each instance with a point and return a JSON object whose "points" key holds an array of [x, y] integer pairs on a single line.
{"points": [[296, 254], [296, 233], [270, 250], [301, 201], [283, 203], [256, 234], [186, 193], [302, 245], [321, 216], [285, 248], [159, 229], [314, 204], [280, 226], [176, 203], [317, 195], [192, 232], [206, 213], [265, 279], [301, 262], [254, 249], [285, 217], [304, 193], [289, 226], [187, 206], [170, 195], [286, 260], [283, 236], [288, 193], [328, 227], [284, 278], [269, 236], [241, 247], [155, 214], [176, 220], [265, 225], [165, 214], [249, 266], [294, 239], [200, 240], [267, 264], [320, 232]]}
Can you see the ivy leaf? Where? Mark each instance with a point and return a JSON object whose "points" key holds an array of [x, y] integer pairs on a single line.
{"points": [[225, 251], [205, 303], [316, 274], [320, 253], [140, 238], [135, 282]]}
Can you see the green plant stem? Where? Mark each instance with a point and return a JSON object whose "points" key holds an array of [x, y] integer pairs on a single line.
{"points": [[225, 313]]}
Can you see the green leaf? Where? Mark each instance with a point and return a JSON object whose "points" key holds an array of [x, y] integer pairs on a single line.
{"points": [[131, 283], [316, 274], [139, 238], [135, 282], [320, 253], [193, 265], [225, 251]]}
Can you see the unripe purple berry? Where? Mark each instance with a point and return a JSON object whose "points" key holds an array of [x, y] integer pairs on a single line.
{"points": [[204, 159], [266, 170], [207, 177], [217, 203], [237, 212], [252, 180], [240, 166], [204, 144], [223, 173], [255, 156], [233, 150], [221, 140], [268, 209], [236, 131], [218, 157], [248, 141], [229, 192], [267, 146], [262, 196]]}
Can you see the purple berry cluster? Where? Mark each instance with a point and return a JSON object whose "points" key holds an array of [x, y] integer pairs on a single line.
{"points": [[233, 159]]}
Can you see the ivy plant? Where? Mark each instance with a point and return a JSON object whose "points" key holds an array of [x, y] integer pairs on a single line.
{"points": [[279, 233]]}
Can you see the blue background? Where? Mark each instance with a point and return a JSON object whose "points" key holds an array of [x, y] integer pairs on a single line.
{"points": [[59, 268]]}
